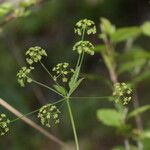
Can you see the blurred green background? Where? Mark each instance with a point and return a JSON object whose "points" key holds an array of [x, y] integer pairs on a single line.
{"points": [[50, 25]]}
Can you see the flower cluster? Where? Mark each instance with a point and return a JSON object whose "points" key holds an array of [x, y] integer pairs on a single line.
{"points": [[4, 124], [49, 114], [62, 70], [85, 25], [22, 75], [84, 46], [34, 54], [122, 93]]}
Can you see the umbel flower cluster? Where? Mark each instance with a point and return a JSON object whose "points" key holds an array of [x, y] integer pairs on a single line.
{"points": [[4, 124], [62, 70], [22, 75], [83, 27], [85, 46], [122, 93], [49, 114], [35, 54]]}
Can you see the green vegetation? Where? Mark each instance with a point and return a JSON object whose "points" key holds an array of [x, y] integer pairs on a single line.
{"points": [[99, 84]]}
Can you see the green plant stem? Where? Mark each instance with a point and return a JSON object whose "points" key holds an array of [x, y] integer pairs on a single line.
{"points": [[41, 84], [79, 63], [48, 72], [111, 66], [140, 145], [32, 112], [78, 60], [25, 115], [82, 38], [90, 97], [73, 124], [80, 55], [127, 144], [31, 123], [46, 69]]}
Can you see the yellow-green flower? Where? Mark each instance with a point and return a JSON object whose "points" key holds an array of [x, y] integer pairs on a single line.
{"points": [[85, 25], [49, 114], [84, 46], [122, 93], [22, 75], [62, 70], [4, 124], [35, 54]]}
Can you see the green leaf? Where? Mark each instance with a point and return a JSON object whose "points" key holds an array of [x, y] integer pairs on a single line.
{"points": [[110, 117], [135, 53], [106, 26], [131, 65], [146, 144], [98, 78], [126, 33], [74, 87], [25, 4], [60, 89], [133, 59], [146, 28], [141, 77], [5, 8], [100, 48], [145, 134], [138, 111], [74, 77]]}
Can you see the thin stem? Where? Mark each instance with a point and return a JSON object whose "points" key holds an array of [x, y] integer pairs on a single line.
{"points": [[111, 66], [32, 112], [41, 84], [82, 38], [79, 58], [104, 97], [127, 145], [79, 63], [48, 72], [140, 145], [73, 124], [46, 69], [82, 57], [25, 115], [136, 104], [31, 123], [59, 101]]}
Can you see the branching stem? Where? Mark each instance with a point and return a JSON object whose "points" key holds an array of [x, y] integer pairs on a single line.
{"points": [[48, 72], [41, 84], [32, 112], [73, 124]]}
